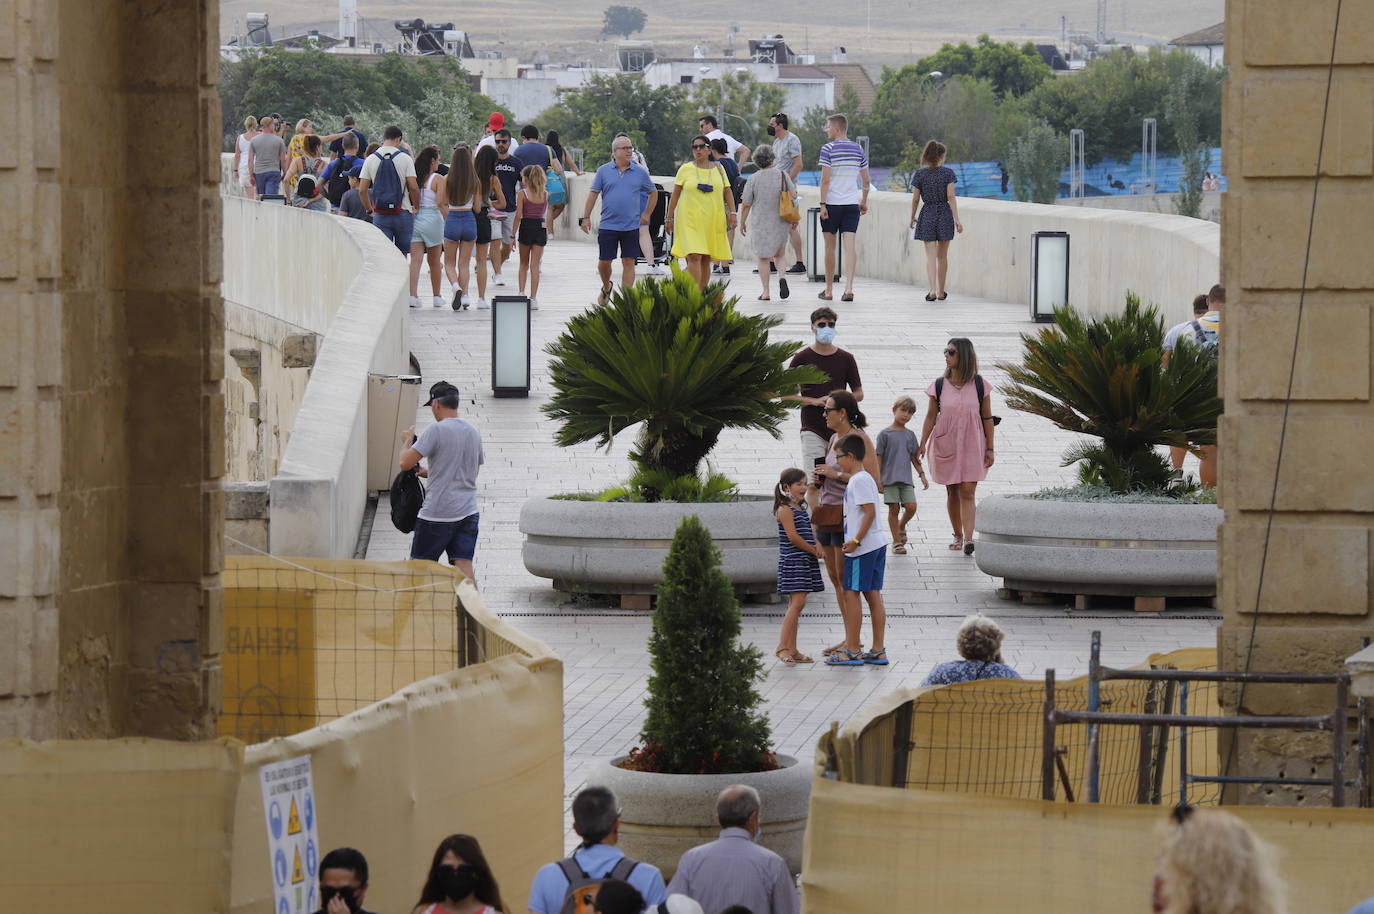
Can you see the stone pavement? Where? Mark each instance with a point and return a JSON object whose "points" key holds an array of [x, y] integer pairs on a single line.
{"points": [[897, 338]]}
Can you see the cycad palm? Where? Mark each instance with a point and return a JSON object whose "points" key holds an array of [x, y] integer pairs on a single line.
{"points": [[680, 360], [1106, 378]]}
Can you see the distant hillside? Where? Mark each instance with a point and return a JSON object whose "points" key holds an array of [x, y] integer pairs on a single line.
{"points": [[875, 32]]}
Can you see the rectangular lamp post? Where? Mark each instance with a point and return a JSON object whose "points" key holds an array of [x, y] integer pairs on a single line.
{"points": [[510, 346], [1049, 274], [815, 248]]}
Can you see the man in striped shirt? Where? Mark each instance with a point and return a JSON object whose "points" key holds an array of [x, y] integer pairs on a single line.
{"points": [[844, 164]]}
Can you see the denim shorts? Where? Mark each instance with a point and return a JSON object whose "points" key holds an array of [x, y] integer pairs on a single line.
{"points": [[267, 182], [627, 242], [456, 537], [864, 573], [830, 539], [842, 218], [429, 228], [397, 227], [461, 225]]}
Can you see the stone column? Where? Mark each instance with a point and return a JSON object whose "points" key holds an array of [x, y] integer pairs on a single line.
{"points": [[1316, 602]]}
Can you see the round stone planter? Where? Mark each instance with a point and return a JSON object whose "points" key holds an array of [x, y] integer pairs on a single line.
{"points": [[664, 815], [619, 548], [1099, 548]]}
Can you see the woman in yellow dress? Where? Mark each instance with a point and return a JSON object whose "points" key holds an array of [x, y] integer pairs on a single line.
{"points": [[708, 210]]}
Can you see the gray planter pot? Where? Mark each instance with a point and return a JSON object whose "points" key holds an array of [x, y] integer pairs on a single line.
{"points": [[1082, 547], [619, 548], [664, 815]]}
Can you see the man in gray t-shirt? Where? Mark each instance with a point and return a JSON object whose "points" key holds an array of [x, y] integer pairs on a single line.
{"points": [[787, 153], [452, 446], [268, 152]]}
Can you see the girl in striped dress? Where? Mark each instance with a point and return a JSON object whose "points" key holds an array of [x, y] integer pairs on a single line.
{"points": [[799, 571]]}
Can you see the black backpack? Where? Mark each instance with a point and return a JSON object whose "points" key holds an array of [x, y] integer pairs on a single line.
{"points": [[407, 495], [977, 386], [338, 179], [582, 888]]}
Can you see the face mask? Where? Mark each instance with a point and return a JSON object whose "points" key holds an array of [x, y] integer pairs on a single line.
{"points": [[458, 882], [772, 131], [825, 335], [758, 834], [327, 894]]}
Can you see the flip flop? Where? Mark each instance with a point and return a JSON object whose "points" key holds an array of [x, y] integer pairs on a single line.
{"points": [[848, 296], [764, 298], [783, 291], [835, 648], [825, 296]]}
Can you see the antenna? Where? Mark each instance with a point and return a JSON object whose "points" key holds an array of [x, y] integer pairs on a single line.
{"points": [[1101, 20]]}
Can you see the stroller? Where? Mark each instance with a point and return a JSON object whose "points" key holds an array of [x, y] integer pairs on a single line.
{"points": [[657, 235]]}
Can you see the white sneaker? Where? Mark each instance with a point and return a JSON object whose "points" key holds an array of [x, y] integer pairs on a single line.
{"points": [[656, 269], [498, 280], [534, 304], [482, 304], [414, 302], [439, 301]]}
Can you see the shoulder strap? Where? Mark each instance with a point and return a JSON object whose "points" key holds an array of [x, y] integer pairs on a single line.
{"points": [[939, 389], [572, 870], [623, 868], [978, 386]]}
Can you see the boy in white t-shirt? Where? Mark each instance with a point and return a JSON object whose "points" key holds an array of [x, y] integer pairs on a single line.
{"points": [[865, 557]]}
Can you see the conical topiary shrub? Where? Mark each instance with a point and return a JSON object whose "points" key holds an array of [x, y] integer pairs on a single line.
{"points": [[703, 707]]}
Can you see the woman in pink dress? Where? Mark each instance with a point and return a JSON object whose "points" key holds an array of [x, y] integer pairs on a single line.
{"points": [[459, 881], [956, 439]]}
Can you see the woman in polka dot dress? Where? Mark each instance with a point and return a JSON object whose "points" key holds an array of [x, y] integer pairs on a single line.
{"points": [[932, 193]]}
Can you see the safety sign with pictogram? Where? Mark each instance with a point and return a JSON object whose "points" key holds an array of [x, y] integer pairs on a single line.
{"points": [[288, 802]]}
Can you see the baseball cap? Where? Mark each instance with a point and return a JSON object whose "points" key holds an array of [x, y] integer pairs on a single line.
{"points": [[441, 389], [356, 171], [496, 121]]}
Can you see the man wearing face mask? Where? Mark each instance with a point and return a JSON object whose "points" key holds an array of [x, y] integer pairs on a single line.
{"points": [[842, 372], [343, 882], [735, 869]]}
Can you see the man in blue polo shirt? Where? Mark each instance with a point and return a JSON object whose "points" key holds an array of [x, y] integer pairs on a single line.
{"points": [[627, 198], [596, 819]]}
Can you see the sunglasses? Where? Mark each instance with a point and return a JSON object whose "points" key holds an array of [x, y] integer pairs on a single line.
{"points": [[820, 324], [503, 142], [700, 146], [831, 409], [951, 352]]}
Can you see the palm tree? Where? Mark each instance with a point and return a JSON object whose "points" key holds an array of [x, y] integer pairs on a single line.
{"points": [[1107, 378], [679, 360]]}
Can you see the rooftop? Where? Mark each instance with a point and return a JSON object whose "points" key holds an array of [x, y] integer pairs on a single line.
{"points": [[1213, 34], [854, 76]]}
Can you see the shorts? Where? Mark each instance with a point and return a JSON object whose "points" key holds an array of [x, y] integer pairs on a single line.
{"points": [[456, 537], [483, 227], [245, 179], [533, 233], [842, 218], [898, 493], [502, 225], [397, 227], [429, 228], [864, 573], [461, 225], [812, 447], [610, 239], [268, 182], [830, 539]]}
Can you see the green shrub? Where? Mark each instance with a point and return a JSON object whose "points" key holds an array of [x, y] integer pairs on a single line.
{"points": [[704, 709]]}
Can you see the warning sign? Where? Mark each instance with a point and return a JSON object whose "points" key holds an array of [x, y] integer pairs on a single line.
{"points": [[288, 802]]}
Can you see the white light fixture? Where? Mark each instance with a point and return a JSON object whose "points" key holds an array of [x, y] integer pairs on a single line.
{"points": [[1049, 274], [815, 248], [510, 346]]}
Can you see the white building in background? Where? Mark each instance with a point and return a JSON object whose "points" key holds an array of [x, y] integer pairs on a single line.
{"points": [[533, 88], [1205, 44], [804, 86]]}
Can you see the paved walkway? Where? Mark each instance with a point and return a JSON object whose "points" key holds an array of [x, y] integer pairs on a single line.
{"points": [[897, 338]]}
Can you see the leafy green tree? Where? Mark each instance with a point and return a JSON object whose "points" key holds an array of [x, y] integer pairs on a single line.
{"points": [[441, 117], [744, 97], [1181, 111], [1110, 96], [623, 20], [1106, 377], [1012, 70], [704, 711], [963, 112], [681, 363], [590, 116], [1036, 161]]}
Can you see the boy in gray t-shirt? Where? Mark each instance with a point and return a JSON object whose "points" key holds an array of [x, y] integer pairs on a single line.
{"points": [[448, 520], [896, 446]]}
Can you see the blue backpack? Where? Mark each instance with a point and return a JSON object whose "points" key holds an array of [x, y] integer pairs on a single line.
{"points": [[387, 190]]}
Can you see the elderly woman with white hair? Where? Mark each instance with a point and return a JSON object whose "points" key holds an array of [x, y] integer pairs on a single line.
{"points": [[980, 644], [769, 231]]}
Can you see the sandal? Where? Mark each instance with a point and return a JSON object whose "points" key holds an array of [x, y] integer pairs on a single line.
{"points": [[844, 657], [877, 658], [605, 294], [835, 649], [764, 298], [898, 549], [848, 296], [787, 656], [968, 548], [958, 543], [930, 296], [825, 296]]}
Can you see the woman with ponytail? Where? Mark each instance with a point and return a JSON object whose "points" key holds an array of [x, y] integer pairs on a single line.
{"points": [[932, 192], [799, 570]]}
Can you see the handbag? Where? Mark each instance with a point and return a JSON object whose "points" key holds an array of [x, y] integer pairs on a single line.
{"points": [[828, 518], [787, 206]]}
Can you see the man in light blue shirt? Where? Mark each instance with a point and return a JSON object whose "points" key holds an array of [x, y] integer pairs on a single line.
{"points": [[627, 198], [596, 819], [734, 870]]}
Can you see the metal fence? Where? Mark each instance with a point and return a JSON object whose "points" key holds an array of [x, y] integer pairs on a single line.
{"points": [[310, 640]]}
